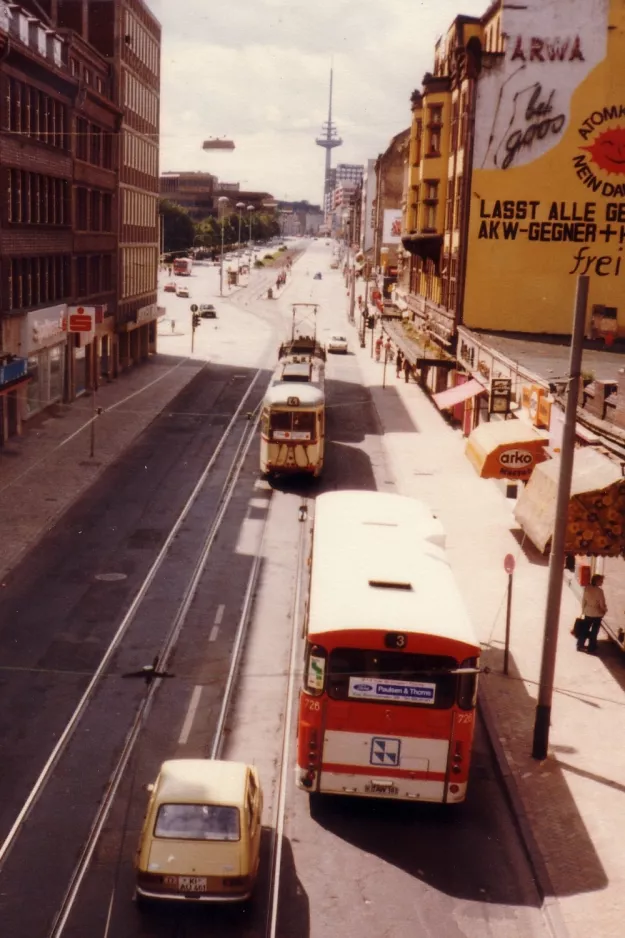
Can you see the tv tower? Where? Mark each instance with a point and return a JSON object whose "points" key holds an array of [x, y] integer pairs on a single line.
{"points": [[328, 140]]}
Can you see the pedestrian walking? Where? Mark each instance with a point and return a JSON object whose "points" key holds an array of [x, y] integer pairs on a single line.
{"points": [[594, 607], [399, 362], [388, 350], [378, 348], [407, 370]]}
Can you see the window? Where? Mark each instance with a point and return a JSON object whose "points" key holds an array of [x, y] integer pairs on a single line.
{"points": [[81, 275], [436, 114], [74, 67], [81, 209], [425, 672], [95, 285], [107, 272], [87, 76], [431, 190], [449, 206], [107, 150], [95, 149], [434, 148], [454, 125], [35, 280], [197, 822], [95, 219], [458, 199], [99, 84], [430, 217], [81, 139], [107, 212]]}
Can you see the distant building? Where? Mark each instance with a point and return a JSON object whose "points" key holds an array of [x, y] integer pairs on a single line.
{"points": [[193, 191]]}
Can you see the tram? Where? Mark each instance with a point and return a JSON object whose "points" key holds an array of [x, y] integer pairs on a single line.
{"points": [[293, 412]]}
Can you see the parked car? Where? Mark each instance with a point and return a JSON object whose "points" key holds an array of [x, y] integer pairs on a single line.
{"points": [[207, 311], [201, 834], [334, 265], [170, 287], [183, 291], [317, 276], [337, 343]]}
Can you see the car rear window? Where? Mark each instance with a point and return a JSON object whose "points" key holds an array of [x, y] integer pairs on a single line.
{"points": [[197, 822]]}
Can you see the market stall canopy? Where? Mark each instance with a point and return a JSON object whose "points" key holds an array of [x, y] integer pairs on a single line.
{"points": [[453, 396], [506, 449], [596, 508]]}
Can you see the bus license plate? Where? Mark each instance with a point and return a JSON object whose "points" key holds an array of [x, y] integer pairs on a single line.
{"points": [[192, 883], [381, 788]]}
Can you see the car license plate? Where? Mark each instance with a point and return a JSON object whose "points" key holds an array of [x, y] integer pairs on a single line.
{"points": [[381, 788], [192, 883]]}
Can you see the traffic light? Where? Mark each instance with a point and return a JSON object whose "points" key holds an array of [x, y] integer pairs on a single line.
{"points": [[370, 322], [196, 320]]}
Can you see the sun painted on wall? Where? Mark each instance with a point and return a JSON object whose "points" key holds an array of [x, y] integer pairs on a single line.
{"points": [[607, 152]]}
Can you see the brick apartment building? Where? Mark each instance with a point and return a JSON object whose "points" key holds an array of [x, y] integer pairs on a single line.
{"points": [[78, 208]]}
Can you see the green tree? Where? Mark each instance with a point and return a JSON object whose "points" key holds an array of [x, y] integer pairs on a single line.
{"points": [[179, 229]]}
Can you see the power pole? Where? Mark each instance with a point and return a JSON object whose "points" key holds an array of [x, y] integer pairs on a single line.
{"points": [[556, 560]]}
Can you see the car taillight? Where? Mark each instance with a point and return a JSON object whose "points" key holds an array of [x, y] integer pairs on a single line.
{"points": [[456, 760], [150, 879]]}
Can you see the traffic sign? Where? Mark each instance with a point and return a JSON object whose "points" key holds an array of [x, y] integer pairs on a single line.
{"points": [[194, 307], [509, 563]]}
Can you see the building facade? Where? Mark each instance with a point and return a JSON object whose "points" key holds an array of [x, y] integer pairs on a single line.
{"points": [[193, 191], [387, 204]]}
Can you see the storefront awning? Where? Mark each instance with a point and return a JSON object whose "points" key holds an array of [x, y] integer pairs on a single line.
{"points": [[462, 392], [426, 245], [596, 507], [506, 449]]}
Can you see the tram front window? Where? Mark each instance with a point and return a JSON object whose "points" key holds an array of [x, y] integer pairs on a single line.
{"points": [[293, 422]]}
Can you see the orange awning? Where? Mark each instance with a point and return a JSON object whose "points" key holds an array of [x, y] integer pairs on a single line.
{"points": [[462, 392], [506, 449]]}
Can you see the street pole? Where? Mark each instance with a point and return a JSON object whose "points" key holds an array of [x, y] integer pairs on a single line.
{"points": [[250, 209], [240, 206], [352, 296], [556, 560], [221, 261], [384, 371], [506, 647]]}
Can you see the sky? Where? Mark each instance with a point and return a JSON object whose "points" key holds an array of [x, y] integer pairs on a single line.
{"points": [[257, 72]]}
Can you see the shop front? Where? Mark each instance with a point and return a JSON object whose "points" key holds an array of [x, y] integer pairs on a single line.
{"points": [[137, 337], [44, 346]]}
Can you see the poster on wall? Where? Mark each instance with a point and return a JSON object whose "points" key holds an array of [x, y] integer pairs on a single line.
{"points": [[391, 230], [547, 197]]}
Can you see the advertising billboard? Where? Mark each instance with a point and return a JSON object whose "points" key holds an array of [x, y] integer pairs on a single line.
{"points": [[547, 200], [391, 229]]}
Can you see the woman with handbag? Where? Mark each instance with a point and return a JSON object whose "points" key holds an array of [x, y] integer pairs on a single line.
{"points": [[594, 608]]}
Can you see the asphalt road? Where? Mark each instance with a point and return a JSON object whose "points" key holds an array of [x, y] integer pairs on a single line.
{"points": [[348, 867]]}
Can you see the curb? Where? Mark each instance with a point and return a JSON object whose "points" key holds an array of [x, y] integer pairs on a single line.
{"points": [[550, 904]]}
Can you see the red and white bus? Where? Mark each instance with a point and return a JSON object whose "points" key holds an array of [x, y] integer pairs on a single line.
{"points": [[183, 266], [387, 707]]}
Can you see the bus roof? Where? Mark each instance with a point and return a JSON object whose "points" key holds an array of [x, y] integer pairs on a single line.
{"points": [[307, 395], [379, 564]]}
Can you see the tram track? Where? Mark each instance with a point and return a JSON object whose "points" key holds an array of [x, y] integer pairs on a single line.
{"points": [[216, 468], [160, 664]]}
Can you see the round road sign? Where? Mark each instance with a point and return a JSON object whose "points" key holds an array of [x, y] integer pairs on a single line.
{"points": [[194, 307], [509, 563]]}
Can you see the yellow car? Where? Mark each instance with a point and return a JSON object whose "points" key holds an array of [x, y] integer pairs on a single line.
{"points": [[201, 834]]}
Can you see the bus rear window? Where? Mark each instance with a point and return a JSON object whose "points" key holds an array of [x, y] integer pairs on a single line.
{"points": [[392, 677]]}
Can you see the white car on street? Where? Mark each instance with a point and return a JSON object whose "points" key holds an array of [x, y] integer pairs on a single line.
{"points": [[183, 291], [338, 343]]}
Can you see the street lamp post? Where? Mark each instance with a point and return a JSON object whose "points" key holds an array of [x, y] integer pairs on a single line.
{"points": [[221, 201], [240, 206], [250, 209]]}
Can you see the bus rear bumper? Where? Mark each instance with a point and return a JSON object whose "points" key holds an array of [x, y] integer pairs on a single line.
{"points": [[389, 788]]}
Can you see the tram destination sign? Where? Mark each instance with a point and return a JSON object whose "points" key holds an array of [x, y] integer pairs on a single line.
{"points": [[408, 691]]}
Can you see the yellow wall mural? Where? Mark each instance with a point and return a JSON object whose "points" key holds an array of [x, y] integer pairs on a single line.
{"points": [[548, 186]]}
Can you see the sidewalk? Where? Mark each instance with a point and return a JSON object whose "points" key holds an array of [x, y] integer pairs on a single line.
{"points": [[571, 805], [44, 471]]}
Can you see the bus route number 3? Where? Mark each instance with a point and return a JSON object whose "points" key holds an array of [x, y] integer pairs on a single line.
{"points": [[395, 640]]}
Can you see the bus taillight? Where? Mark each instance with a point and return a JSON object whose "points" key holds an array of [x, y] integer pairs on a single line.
{"points": [[456, 761]]}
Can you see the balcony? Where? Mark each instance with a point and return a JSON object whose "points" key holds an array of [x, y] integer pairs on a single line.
{"points": [[12, 369], [425, 244]]}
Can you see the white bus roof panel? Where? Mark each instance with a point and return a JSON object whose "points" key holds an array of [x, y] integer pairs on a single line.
{"points": [[308, 395], [379, 563]]}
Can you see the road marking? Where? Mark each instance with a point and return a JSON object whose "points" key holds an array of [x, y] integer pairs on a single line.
{"points": [[214, 633], [219, 614], [188, 720]]}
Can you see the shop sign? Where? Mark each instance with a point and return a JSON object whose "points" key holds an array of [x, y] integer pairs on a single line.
{"points": [[500, 393], [147, 313], [80, 318], [42, 328], [516, 463]]}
